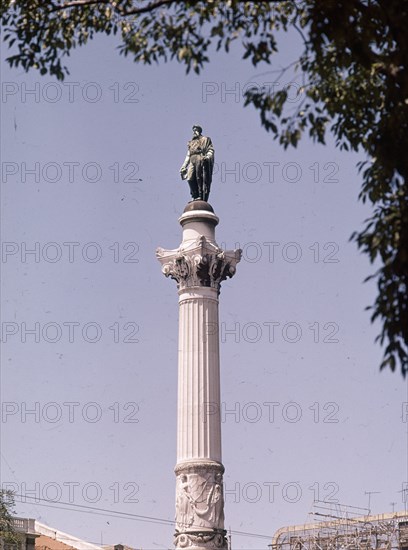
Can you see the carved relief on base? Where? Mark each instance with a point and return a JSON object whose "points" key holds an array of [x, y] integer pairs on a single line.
{"points": [[200, 506], [199, 496]]}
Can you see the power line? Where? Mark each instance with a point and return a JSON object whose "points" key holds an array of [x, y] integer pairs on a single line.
{"points": [[93, 509], [112, 513]]}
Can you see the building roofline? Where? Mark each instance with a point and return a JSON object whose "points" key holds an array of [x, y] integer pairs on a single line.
{"points": [[335, 523], [65, 538]]}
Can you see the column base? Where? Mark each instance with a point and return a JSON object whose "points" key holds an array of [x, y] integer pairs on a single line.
{"points": [[198, 540]]}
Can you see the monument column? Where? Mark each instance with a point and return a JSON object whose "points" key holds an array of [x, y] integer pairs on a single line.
{"points": [[199, 266]]}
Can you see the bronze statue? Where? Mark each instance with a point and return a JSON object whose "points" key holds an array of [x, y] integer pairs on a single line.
{"points": [[198, 165]]}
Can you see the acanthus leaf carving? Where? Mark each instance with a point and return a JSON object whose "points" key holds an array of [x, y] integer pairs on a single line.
{"points": [[203, 264]]}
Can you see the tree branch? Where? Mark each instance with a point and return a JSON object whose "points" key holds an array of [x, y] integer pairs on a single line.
{"points": [[150, 7], [76, 3], [83, 3], [135, 11]]}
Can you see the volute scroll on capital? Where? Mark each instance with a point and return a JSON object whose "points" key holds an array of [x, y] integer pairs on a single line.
{"points": [[202, 263]]}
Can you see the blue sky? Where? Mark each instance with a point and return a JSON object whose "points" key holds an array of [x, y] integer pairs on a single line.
{"points": [[312, 416]]}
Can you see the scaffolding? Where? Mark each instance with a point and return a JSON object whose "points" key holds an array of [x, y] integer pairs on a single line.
{"points": [[341, 527]]}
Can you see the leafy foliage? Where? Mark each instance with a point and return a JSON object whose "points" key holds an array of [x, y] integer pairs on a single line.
{"points": [[7, 531], [354, 85]]}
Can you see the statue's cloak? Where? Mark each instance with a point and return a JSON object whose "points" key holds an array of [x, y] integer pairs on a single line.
{"points": [[200, 146]]}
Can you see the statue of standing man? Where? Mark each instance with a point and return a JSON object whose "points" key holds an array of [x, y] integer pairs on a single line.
{"points": [[198, 165]]}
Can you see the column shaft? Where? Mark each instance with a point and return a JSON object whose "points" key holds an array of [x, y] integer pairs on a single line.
{"points": [[199, 427]]}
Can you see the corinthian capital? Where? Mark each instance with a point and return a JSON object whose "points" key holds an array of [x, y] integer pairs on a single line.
{"points": [[203, 263]]}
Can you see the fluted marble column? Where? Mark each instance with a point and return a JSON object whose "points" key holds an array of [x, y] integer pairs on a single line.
{"points": [[199, 266]]}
